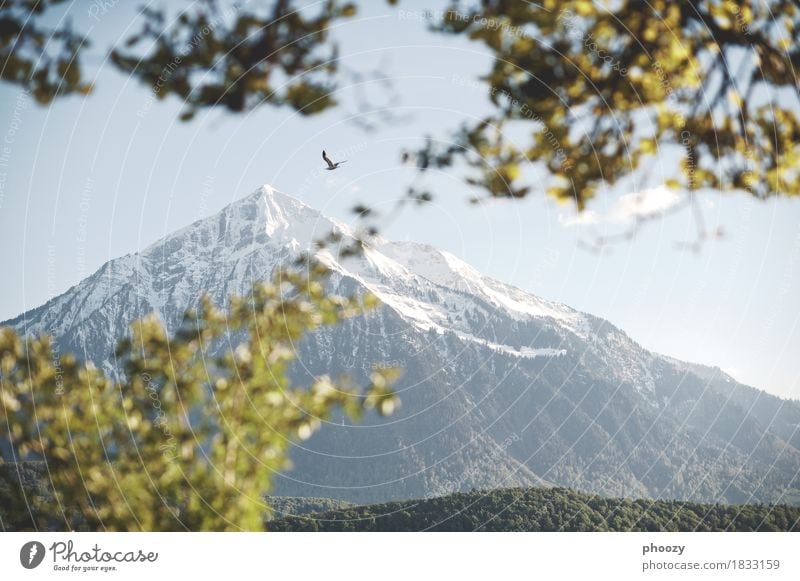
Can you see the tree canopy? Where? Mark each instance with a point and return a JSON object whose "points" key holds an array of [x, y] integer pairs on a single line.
{"points": [[605, 87]]}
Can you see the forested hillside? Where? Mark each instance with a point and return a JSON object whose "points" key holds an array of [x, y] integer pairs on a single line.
{"points": [[286, 506], [545, 509], [510, 509]]}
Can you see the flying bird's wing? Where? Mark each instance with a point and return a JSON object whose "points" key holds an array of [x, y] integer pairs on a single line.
{"points": [[328, 161]]}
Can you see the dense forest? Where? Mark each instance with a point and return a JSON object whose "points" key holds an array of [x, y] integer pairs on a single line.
{"points": [[510, 509], [286, 506], [545, 509]]}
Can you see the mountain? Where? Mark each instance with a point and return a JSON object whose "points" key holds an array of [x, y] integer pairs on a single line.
{"points": [[541, 509], [501, 388]]}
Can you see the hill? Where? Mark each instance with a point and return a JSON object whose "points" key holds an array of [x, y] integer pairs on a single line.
{"points": [[288, 506], [545, 509], [508, 509]]}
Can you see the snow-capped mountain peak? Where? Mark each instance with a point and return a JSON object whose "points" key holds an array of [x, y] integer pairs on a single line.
{"points": [[500, 387]]}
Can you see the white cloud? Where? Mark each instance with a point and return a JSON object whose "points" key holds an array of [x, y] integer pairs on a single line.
{"points": [[584, 218], [644, 204], [627, 208]]}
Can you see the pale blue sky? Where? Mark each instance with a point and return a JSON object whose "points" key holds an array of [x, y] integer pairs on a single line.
{"points": [[90, 179]]}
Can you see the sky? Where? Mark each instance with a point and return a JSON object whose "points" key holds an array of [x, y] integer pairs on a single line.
{"points": [[89, 179]]}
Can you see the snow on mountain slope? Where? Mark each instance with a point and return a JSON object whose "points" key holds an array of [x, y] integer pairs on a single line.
{"points": [[268, 228], [501, 387], [442, 268]]}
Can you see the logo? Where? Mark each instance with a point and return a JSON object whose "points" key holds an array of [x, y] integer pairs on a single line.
{"points": [[31, 554]]}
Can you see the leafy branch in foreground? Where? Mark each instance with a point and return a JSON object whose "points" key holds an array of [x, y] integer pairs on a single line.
{"points": [[236, 57], [600, 89], [43, 60], [193, 435]]}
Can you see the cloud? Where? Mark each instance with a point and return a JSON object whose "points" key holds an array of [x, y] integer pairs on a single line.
{"points": [[627, 208], [644, 204], [584, 218]]}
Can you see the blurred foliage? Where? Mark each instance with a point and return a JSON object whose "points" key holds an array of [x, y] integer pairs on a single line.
{"points": [[597, 89], [600, 87], [43, 60], [215, 54], [544, 509], [193, 435]]}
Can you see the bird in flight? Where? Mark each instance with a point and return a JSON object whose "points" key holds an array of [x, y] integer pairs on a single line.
{"points": [[331, 165]]}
